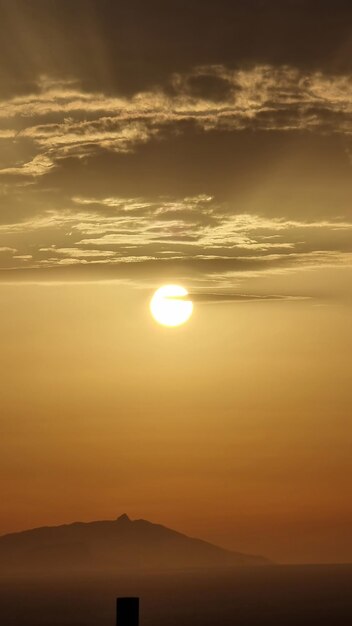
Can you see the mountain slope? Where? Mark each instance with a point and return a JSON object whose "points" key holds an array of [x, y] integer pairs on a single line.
{"points": [[116, 545]]}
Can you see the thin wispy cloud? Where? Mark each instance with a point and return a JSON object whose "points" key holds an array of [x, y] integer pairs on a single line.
{"points": [[241, 297], [193, 233]]}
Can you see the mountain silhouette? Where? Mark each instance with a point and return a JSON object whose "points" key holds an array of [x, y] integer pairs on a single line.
{"points": [[116, 545]]}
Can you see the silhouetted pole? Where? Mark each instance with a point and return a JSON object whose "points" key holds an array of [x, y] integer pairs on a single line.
{"points": [[127, 612]]}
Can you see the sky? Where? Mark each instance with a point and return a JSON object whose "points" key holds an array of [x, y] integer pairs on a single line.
{"points": [[204, 144]]}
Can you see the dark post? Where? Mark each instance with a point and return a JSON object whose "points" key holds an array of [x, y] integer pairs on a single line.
{"points": [[127, 612]]}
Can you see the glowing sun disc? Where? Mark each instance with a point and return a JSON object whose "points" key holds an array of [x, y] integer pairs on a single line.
{"points": [[169, 307]]}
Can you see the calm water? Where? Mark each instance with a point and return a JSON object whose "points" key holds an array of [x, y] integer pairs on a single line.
{"points": [[277, 595]]}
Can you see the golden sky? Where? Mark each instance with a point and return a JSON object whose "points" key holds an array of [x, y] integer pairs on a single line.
{"points": [[142, 147]]}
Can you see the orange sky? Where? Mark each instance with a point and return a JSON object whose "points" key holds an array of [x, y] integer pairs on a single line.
{"points": [[234, 427]]}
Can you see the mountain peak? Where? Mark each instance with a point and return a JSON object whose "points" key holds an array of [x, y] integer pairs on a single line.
{"points": [[123, 518]]}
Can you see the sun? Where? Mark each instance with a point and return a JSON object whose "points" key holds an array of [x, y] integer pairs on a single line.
{"points": [[169, 307]]}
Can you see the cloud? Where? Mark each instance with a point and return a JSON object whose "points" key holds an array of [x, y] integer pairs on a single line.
{"points": [[62, 120], [78, 253], [241, 297], [38, 166], [49, 221], [177, 237]]}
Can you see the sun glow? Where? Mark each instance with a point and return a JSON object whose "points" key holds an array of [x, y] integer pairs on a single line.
{"points": [[169, 307]]}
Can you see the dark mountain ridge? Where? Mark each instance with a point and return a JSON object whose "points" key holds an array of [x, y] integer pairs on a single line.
{"points": [[116, 545]]}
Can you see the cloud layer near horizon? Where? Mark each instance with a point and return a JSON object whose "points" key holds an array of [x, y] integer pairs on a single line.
{"points": [[139, 239]]}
